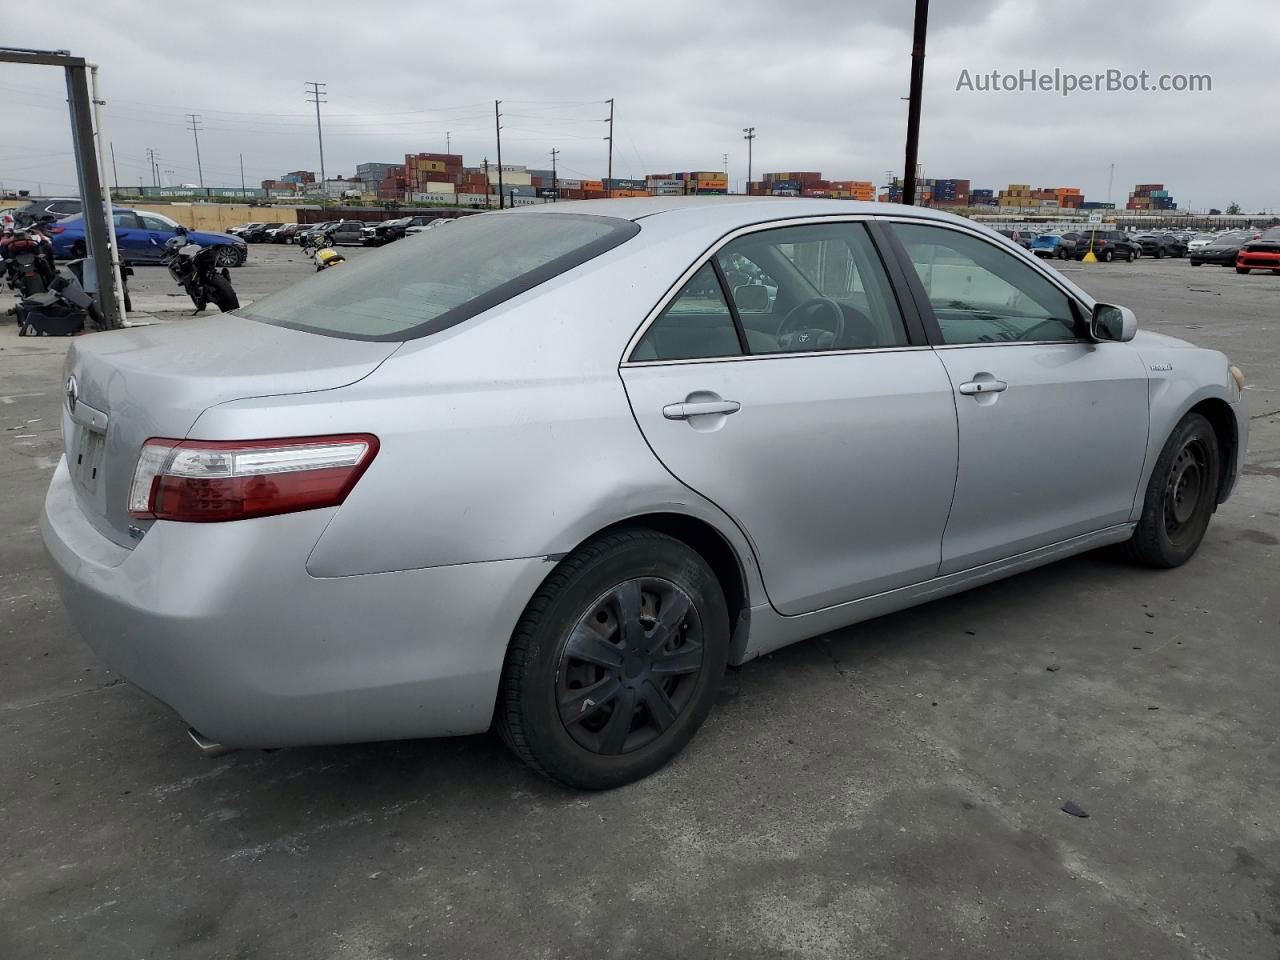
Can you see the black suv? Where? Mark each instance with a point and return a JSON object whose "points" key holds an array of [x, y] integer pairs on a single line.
{"points": [[1161, 245], [1107, 245], [258, 232]]}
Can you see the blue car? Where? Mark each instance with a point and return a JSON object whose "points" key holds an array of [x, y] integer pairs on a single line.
{"points": [[1053, 245], [141, 236]]}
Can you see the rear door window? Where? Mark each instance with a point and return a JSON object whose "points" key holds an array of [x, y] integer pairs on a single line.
{"points": [[696, 324]]}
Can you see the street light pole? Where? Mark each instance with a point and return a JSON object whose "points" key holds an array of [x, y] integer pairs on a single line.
{"points": [[913, 106], [749, 136]]}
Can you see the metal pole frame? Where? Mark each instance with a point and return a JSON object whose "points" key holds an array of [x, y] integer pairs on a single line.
{"points": [[913, 105], [99, 279]]}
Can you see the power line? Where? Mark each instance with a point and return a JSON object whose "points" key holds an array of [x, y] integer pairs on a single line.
{"points": [[314, 95], [194, 119]]}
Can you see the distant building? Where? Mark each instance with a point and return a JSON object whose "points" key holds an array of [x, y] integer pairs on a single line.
{"points": [[374, 172]]}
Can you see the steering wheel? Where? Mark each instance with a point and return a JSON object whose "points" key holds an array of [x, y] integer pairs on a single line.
{"points": [[800, 331]]}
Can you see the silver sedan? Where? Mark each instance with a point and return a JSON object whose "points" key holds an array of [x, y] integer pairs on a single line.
{"points": [[552, 470]]}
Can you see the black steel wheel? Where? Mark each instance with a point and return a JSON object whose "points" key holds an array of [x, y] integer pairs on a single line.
{"points": [[630, 666], [1181, 495], [616, 661]]}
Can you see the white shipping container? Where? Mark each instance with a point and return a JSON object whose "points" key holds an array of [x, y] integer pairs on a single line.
{"points": [[655, 183], [566, 184], [433, 198]]}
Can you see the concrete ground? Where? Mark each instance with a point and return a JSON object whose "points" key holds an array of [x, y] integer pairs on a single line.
{"points": [[892, 790]]}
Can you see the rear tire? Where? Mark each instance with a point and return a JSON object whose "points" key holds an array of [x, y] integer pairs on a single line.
{"points": [[1242, 269], [1105, 256], [1180, 497], [221, 293], [597, 690], [1159, 253]]}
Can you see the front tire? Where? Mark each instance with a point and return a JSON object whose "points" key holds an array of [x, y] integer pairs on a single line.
{"points": [[1242, 269], [1105, 256], [1180, 497], [616, 661]]}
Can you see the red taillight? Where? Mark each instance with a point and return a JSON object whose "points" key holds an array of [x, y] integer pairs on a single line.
{"points": [[205, 481], [57, 229]]}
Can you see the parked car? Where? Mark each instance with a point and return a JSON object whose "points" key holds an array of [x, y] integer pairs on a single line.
{"points": [[1107, 245], [1161, 245], [265, 540], [1201, 240], [346, 232], [259, 233], [57, 207], [303, 231], [1262, 253], [1017, 236], [1053, 245], [240, 230], [141, 236], [283, 234], [1222, 251], [377, 234], [423, 224]]}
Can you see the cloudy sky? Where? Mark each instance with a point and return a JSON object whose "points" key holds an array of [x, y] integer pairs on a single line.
{"points": [[820, 80]]}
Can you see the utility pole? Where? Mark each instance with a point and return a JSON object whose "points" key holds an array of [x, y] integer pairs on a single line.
{"points": [[555, 186], [242, 190], [115, 175], [315, 95], [913, 106], [194, 119], [749, 135], [608, 183], [488, 187], [151, 164], [1111, 179], [725, 158], [497, 125], [448, 143]]}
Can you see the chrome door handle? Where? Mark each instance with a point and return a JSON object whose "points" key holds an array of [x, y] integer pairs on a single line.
{"points": [[974, 387], [683, 411]]}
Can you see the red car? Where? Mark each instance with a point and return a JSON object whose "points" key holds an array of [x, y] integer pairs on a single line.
{"points": [[1262, 253]]}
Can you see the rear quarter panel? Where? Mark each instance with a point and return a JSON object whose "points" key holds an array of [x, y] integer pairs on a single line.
{"points": [[507, 436]]}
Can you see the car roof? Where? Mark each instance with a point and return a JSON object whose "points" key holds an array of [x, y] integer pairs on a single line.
{"points": [[731, 212]]}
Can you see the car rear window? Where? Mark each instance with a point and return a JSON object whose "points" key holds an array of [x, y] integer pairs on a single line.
{"points": [[440, 278]]}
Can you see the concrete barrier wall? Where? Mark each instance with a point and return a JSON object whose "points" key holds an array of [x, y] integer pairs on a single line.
{"points": [[218, 216]]}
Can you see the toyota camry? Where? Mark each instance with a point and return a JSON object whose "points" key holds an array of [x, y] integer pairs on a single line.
{"points": [[551, 470]]}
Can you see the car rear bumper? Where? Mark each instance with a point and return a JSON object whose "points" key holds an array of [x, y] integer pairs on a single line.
{"points": [[222, 623]]}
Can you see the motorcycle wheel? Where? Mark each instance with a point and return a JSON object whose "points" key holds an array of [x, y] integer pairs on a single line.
{"points": [[197, 296], [221, 293]]}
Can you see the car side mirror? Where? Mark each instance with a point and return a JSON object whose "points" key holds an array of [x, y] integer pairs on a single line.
{"points": [[180, 230], [1110, 322], [752, 297]]}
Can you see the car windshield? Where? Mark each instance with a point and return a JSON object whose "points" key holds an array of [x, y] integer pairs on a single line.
{"points": [[436, 280]]}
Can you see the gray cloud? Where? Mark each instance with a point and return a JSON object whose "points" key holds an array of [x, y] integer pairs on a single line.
{"points": [[819, 80]]}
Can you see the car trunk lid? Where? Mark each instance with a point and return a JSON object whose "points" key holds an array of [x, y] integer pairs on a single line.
{"points": [[123, 387]]}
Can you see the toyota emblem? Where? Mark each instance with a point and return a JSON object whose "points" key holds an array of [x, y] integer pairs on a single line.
{"points": [[73, 394]]}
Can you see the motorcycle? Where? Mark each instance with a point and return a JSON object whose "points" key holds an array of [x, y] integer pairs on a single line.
{"points": [[320, 246], [28, 260], [61, 310], [195, 269]]}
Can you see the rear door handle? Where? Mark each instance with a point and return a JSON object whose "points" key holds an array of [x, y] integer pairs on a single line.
{"points": [[974, 387], [683, 411]]}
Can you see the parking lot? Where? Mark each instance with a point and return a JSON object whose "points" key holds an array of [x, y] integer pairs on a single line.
{"points": [[890, 790]]}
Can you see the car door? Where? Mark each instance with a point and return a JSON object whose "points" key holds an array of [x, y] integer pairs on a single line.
{"points": [[1053, 427], [131, 239], [805, 402], [159, 231]]}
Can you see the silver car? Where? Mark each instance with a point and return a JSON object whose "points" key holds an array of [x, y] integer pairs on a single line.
{"points": [[551, 470]]}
